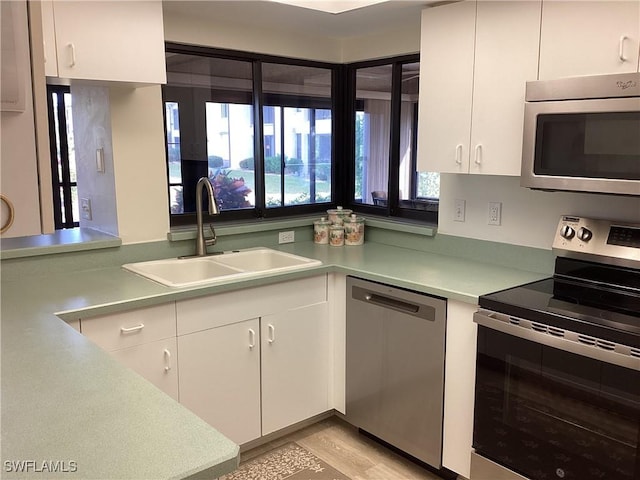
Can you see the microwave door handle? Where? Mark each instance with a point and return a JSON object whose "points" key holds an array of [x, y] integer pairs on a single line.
{"points": [[623, 39]]}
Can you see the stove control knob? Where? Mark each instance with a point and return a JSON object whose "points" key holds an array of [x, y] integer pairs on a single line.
{"points": [[567, 232], [585, 234]]}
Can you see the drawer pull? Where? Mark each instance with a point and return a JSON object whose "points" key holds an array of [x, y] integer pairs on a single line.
{"points": [[167, 360], [137, 328]]}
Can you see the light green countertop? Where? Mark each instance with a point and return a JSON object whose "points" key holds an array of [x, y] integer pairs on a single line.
{"points": [[64, 399]]}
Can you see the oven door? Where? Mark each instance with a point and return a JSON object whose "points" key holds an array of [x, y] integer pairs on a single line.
{"points": [[547, 407], [582, 145]]}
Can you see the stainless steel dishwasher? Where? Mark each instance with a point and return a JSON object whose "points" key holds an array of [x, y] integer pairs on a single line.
{"points": [[395, 367]]}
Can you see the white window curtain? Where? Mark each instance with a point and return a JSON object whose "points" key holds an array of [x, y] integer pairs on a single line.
{"points": [[406, 128], [376, 141]]}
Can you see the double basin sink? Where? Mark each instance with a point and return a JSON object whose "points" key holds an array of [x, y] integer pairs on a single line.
{"points": [[220, 268]]}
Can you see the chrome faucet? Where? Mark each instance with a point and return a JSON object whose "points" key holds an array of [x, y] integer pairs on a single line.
{"points": [[201, 243]]}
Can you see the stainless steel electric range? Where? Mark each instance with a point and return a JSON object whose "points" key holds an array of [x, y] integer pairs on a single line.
{"points": [[558, 364]]}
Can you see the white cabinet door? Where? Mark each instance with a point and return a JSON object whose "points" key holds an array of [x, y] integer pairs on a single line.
{"points": [[446, 86], [110, 41], [474, 61], [589, 38], [220, 378], [295, 366], [49, 39], [156, 361], [459, 387], [506, 57]]}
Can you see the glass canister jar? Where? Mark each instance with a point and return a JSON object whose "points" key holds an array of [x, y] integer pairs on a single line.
{"points": [[337, 215], [336, 235], [354, 230], [321, 231]]}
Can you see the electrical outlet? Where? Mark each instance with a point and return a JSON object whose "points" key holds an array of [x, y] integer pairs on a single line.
{"points": [[286, 237], [85, 208], [495, 213], [458, 210]]}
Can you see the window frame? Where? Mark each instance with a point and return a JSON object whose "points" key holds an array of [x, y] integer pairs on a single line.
{"points": [[259, 101], [62, 218], [393, 209]]}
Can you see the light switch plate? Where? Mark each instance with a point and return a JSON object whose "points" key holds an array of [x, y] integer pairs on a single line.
{"points": [[85, 208]]}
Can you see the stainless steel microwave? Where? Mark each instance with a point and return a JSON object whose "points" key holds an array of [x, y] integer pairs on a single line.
{"points": [[582, 134]]}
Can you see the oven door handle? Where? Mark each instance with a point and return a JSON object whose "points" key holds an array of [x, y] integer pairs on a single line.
{"points": [[565, 340]]}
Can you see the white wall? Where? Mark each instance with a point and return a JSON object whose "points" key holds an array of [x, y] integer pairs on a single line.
{"points": [[529, 217], [203, 31], [140, 165], [182, 28], [387, 44], [92, 130]]}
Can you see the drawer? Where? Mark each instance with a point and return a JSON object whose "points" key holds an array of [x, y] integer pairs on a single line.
{"points": [[226, 308], [130, 328]]}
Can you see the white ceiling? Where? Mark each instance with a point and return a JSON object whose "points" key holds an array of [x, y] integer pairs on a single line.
{"points": [[265, 14]]}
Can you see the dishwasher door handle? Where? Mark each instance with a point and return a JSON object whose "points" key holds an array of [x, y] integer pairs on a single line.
{"points": [[389, 302]]}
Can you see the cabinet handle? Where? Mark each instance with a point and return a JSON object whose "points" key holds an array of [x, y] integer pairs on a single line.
{"points": [[459, 154], [621, 48], [167, 360], [252, 339], [478, 155], [137, 328], [72, 52], [272, 334]]}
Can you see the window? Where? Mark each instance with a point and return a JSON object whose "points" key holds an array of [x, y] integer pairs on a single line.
{"points": [[63, 162], [266, 129], [297, 126], [261, 128], [384, 178]]}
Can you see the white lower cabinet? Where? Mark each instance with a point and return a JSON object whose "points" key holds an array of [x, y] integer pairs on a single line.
{"points": [[143, 340], [156, 361], [220, 378], [256, 360], [295, 366], [459, 387]]}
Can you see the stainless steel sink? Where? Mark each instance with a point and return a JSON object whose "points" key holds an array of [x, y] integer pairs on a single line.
{"points": [[185, 272]]}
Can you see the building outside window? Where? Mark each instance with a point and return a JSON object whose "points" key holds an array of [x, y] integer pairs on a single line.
{"points": [[260, 130]]}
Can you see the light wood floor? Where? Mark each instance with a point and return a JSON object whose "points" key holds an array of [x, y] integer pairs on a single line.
{"points": [[341, 446]]}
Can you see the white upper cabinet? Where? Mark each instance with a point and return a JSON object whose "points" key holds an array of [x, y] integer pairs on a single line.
{"points": [[49, 42], [106, 41], [589, 38], [446, 87], [475, 60]]}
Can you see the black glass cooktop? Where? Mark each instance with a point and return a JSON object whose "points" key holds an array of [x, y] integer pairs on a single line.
{"points": [[602, 302]]}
